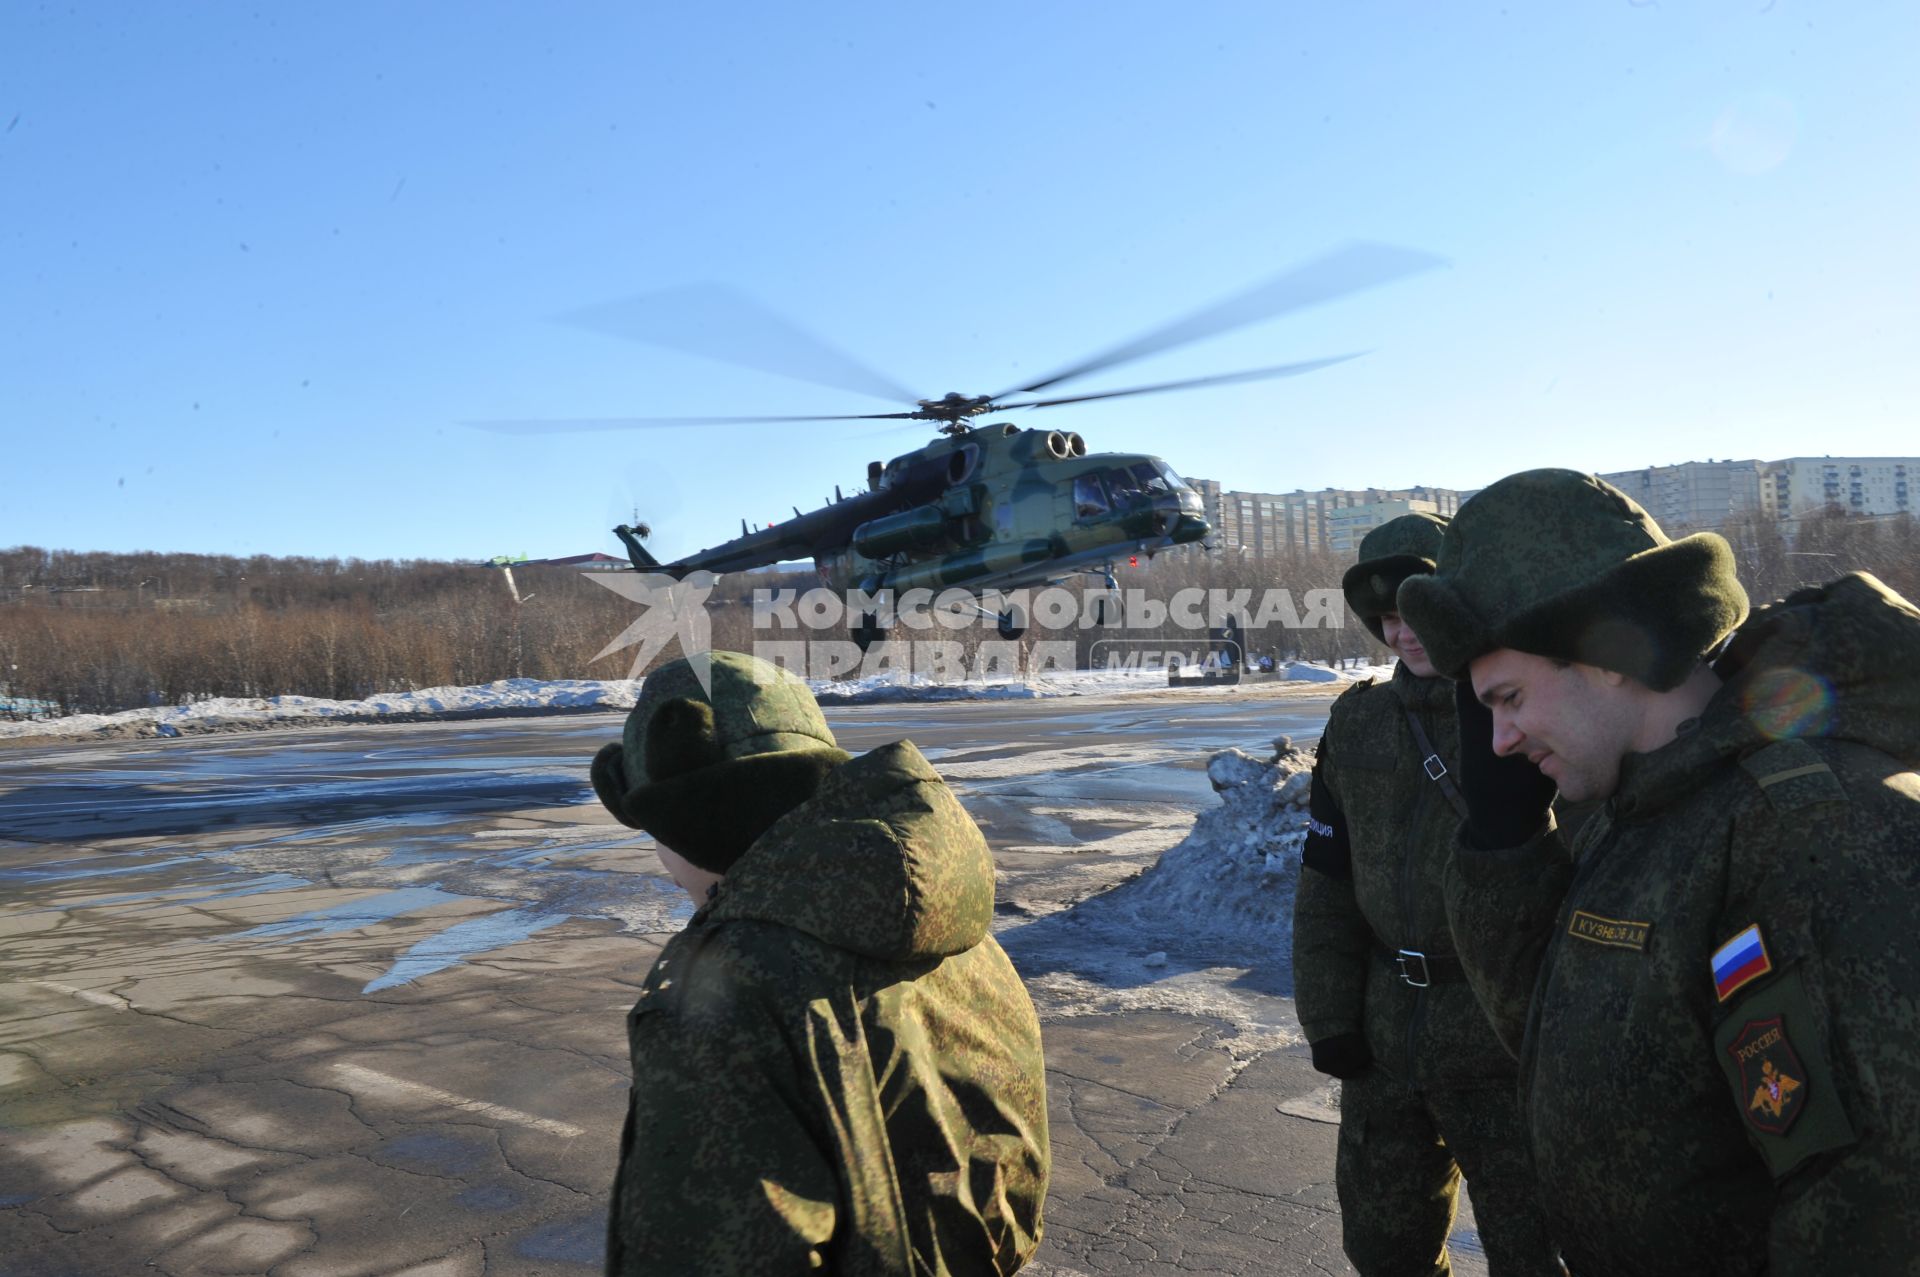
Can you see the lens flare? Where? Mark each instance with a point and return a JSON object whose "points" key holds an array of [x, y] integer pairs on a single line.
{"points": [[1790, 703]]}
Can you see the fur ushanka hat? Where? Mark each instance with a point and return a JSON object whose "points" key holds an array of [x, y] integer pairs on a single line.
{"points": [[706, 773], [1564, 565], [1397, 549]]}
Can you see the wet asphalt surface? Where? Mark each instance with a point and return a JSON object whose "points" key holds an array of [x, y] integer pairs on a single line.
{"points": [[348, 999]]}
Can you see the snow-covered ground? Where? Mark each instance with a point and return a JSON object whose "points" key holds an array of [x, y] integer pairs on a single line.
{"points": [[525, 695]]}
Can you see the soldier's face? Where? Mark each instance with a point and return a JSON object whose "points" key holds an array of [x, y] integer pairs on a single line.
{"points": [[689, 877], [1574, 722], [1401, 638]]}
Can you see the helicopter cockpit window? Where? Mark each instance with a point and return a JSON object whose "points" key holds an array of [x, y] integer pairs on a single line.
{"points": [[1123, 485], [1089, 501], [1150, 478], [1174, 481]]}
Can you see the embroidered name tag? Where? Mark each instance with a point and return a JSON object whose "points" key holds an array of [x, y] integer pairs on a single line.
{"points": [[1611, 932]]}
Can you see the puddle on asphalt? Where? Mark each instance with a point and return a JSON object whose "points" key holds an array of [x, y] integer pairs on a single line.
{"points": [[79, 870], [431, 1151], [489, 1198], [580, 1241]]}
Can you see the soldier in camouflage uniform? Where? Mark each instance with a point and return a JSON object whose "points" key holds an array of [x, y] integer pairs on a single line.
{"points": [[1428, 1091], [835, 1068], [1712, 989]]}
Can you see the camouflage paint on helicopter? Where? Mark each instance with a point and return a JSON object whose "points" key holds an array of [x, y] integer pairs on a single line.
{"points": [[981, 508]]}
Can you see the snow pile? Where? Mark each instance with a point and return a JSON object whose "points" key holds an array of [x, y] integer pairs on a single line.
{"points": [[534, 696], [1225, 891], [1207, 931], [1232, 879], [508, 696], [1300, 671]]}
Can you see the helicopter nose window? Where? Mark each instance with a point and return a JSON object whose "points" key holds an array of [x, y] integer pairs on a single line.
{"points": [[1089, 501], [1174, 481], [1151, 479]]}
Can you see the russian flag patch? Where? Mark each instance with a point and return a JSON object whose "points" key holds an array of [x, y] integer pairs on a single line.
{"points": [[1739, 962]]}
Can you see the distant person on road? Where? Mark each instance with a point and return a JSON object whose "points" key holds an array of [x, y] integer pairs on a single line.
{"points": [[1427, 1090], [1714, 986], [835, 1067]]}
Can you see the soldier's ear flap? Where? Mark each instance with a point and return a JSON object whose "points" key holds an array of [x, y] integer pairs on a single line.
{"points": [[609, 776]]}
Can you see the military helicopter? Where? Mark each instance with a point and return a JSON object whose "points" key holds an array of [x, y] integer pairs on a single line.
{"points": [[983, 508]]}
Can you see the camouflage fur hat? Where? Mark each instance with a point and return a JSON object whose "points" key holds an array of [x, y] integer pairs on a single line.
{"points": [[1397, 549], [1565, 565], [707, 773]]}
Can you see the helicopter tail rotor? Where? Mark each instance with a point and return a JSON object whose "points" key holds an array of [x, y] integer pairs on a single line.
{"points": [[630, 536]]}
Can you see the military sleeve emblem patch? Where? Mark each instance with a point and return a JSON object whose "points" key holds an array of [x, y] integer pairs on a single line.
{"points": [[1739, 962], [1771, 1075]]}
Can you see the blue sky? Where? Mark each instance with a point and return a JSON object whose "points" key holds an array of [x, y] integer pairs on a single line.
{"points": [[261, 261]]}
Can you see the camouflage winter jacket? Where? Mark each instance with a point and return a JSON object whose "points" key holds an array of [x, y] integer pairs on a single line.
{"points": [[1713, 989], [1370, 887], [835, 1068]]}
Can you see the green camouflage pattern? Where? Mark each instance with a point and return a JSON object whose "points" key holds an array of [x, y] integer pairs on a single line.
{"points": [[1565, 565], [758, 708], [1401, 1156], [836, 1069], [1791, 803], [1442, 1087]]}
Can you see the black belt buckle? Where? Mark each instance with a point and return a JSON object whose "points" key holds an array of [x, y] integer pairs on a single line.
{"points": [[1408, 959]]}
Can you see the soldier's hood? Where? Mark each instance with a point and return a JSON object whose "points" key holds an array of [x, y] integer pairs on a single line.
{"points": [[882, 860], [1840, 662]]}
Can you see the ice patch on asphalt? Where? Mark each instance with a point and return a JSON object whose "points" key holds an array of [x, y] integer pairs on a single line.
{"points": [[352, 915], [1207, 930], [1106, 757], [450, 947]]}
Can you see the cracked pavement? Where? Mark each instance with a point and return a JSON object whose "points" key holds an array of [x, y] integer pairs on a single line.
{"points": [[349, 1000]]}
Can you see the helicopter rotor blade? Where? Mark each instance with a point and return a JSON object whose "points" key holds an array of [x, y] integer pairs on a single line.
{"points": [[716, 322], [1351, 269], [1257, 374], [565, 425]]}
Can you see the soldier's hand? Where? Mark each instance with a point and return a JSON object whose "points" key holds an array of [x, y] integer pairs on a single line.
{"points": [[1507, 798], [1343, 1056]]}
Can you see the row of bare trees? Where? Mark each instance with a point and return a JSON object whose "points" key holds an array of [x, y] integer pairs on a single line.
{"points": [[101, 632]]}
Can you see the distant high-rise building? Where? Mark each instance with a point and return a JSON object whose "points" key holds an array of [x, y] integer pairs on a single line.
{"points": [[1694, 494], [1333, 519], [1801, 486], [1708, 494]]}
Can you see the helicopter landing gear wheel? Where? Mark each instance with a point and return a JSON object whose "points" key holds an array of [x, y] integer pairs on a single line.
{"points": [[869, 631], [1011, 623]]}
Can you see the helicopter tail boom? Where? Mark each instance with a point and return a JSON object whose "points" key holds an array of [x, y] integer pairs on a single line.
{"points": [[636, 553]]}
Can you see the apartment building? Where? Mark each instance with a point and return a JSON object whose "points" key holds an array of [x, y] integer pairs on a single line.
{"points": [[1800, 486], [1332, 519], [1694, 494]]}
